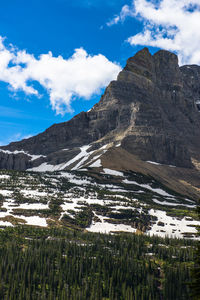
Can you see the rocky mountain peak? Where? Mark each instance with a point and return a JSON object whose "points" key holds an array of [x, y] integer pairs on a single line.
{"points": [[167, 70], [150, 111], [166, 57], [162, 68], [141, 63]]}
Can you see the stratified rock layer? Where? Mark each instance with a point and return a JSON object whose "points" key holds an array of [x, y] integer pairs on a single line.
{"points": [[151, 109]]}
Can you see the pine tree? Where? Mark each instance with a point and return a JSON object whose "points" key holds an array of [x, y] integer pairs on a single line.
{"points": [[195, 285]]}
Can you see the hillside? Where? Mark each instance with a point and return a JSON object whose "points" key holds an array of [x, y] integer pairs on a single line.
{"points": [[130, 163], [107, 202], [150, 113]]}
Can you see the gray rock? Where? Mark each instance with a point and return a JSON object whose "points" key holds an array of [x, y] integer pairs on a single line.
{"points": [[151, 107]]}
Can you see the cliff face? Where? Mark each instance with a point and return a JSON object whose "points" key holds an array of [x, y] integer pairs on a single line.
{"points": [[151, 109], [167, 122]]}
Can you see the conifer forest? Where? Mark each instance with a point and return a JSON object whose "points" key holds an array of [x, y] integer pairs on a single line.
{"points": [[66, 264]]}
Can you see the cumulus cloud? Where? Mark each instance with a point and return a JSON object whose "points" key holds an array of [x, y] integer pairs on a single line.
{"points": [[81, 75], [168, 24]]}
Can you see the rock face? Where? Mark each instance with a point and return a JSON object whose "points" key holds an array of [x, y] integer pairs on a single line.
{"points": [[151, 109]]}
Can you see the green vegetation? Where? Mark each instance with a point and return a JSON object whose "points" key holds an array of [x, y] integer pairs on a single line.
{"points": [[81, 219], [63, 264], [195, 284], [53, 190]]}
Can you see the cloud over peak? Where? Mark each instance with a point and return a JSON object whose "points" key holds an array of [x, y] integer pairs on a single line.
{"points": [[80, 75], [169, 24]]}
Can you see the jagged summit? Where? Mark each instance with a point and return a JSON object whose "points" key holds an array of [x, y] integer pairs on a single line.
{"points": [[150, 113], [161, 68]]}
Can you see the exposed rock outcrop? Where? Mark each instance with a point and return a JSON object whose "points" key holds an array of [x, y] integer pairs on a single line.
{"points": [[151, 109]]}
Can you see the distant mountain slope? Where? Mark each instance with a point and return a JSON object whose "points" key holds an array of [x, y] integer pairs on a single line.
{"points": [[150, 113]]}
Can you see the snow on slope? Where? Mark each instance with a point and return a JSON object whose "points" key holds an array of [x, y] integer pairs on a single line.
{"points": [[125, 205], [171, 226], [158, 164], [113, 172], [106, 227], [79, 158], [147, 186], [33, 157], [96, 164], [84, 156]]}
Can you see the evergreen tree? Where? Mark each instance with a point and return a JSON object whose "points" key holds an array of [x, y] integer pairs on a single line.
{"points": [[195, 285]]}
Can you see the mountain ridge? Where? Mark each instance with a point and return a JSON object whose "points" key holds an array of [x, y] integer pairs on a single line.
{"points": [[150, 112]]}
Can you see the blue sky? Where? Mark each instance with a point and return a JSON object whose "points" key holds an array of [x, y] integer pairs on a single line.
{"points": [[39, 88]]}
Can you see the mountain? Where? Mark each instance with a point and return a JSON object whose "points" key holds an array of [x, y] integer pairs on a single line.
{"points": [[131, 163], [147, 121], [129, 169]]}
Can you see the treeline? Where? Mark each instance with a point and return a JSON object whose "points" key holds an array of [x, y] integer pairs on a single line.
{"points": [[60, 264]]}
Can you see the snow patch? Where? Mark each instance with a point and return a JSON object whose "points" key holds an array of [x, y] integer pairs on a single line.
{"points": [[4, 176], [113, 172], [44, 167], [83, 155], [35, 221], [148, 187], [105, 227], [158, 164], [156, 190], [171, 226], [172, 204], [34, 206], [5, 193], [96, 164], [33, 157], [118, 145], [33, 193], [5, 223], [153, 163]]}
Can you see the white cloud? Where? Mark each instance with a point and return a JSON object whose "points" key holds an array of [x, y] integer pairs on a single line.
{"points": [[124, 13], [168, 24], [81, 75]]}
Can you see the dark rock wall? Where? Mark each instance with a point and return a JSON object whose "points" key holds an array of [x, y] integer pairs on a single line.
{"points": [[152, 104]]}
